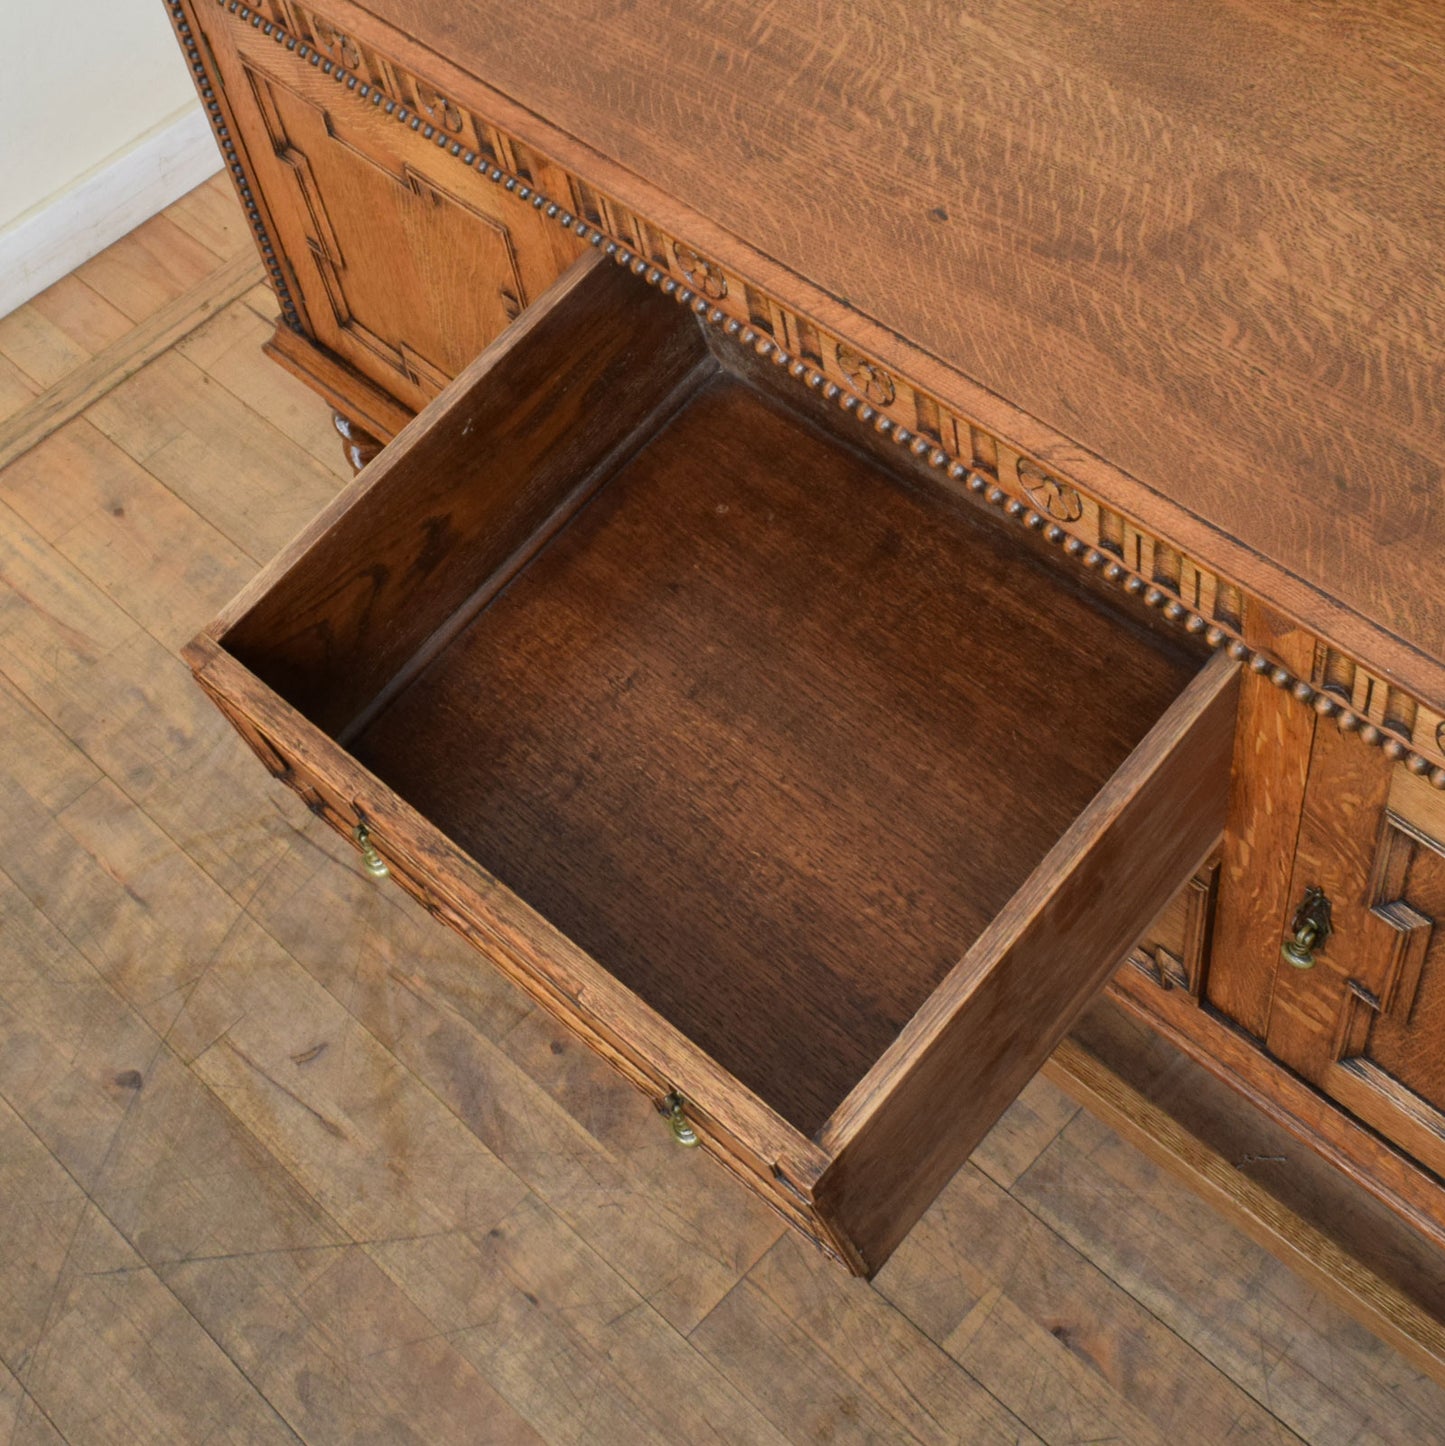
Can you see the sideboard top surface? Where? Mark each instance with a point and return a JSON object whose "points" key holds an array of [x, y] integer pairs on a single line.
{"points": [[1198, 245]]}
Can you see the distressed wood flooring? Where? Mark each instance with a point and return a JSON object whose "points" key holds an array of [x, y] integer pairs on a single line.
{"points": [[280, 1161]]}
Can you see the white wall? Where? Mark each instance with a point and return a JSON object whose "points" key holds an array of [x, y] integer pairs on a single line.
{"points": [[99, 128]]}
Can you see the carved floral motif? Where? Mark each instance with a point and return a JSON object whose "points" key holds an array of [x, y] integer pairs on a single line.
{"points": [[1051, 495], [871, 381], [340, 45], [704, 278], [440, 108]]}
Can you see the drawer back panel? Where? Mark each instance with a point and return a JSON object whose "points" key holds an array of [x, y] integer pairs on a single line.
{"points": [[441, 518]]}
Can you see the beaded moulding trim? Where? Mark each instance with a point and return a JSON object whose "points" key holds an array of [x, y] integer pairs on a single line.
{"points": [[181, 24]]}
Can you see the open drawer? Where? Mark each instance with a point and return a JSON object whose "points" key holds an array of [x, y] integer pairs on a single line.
{"points": [[787, 778]]}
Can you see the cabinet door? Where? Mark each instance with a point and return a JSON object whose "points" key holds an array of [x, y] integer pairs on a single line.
{"points": [[406, 260], [1366, 1021]]}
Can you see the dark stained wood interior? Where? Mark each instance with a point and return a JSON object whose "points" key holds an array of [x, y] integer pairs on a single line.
{"points": [[773, 736]]}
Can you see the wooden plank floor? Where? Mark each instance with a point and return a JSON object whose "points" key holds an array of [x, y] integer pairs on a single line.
{"points": [[279, 1161]]}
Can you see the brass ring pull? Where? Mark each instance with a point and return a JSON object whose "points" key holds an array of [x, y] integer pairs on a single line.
{"points": [[1311, 927], [371, 861], [675, 1111]]}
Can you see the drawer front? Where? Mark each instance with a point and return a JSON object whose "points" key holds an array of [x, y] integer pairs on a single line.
{"points": [[331, 788], [285, 765], [406, 263], [710, 1133]]}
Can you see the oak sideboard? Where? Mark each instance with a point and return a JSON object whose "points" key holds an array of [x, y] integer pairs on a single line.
{"points": [[913, 551]]}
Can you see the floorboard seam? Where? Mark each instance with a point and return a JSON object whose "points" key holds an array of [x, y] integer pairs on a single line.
{"points": [[105, 371]]}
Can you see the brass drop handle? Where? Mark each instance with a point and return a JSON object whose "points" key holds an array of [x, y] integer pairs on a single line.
{"points": [[674, 1109], [1311, 928], [371, 861]]}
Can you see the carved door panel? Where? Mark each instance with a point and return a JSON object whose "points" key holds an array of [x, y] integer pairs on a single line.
{"points": [[406, 261], [1366, 1021]]}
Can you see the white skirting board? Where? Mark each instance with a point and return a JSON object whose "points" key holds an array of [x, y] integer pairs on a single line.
{"points": [[70, 227]]}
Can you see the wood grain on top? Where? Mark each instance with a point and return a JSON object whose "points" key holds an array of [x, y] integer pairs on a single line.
{"points": [[1200, 244]]}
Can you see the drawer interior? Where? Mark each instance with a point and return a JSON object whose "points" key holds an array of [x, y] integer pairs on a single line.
{"points": [[770, 728]]}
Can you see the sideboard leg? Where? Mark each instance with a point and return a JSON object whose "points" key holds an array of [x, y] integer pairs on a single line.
{"points": [[358, 444]]}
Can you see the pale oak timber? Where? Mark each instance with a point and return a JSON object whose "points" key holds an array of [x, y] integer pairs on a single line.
{"points": [[344, 185], [1267, 795], [1364, 1024], [1233, 464], [1337, 843], [356, 396], [1407, 891], [1187, 590]]}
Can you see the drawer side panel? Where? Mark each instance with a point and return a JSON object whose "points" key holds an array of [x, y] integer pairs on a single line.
{"points": [[917, 1116]]}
